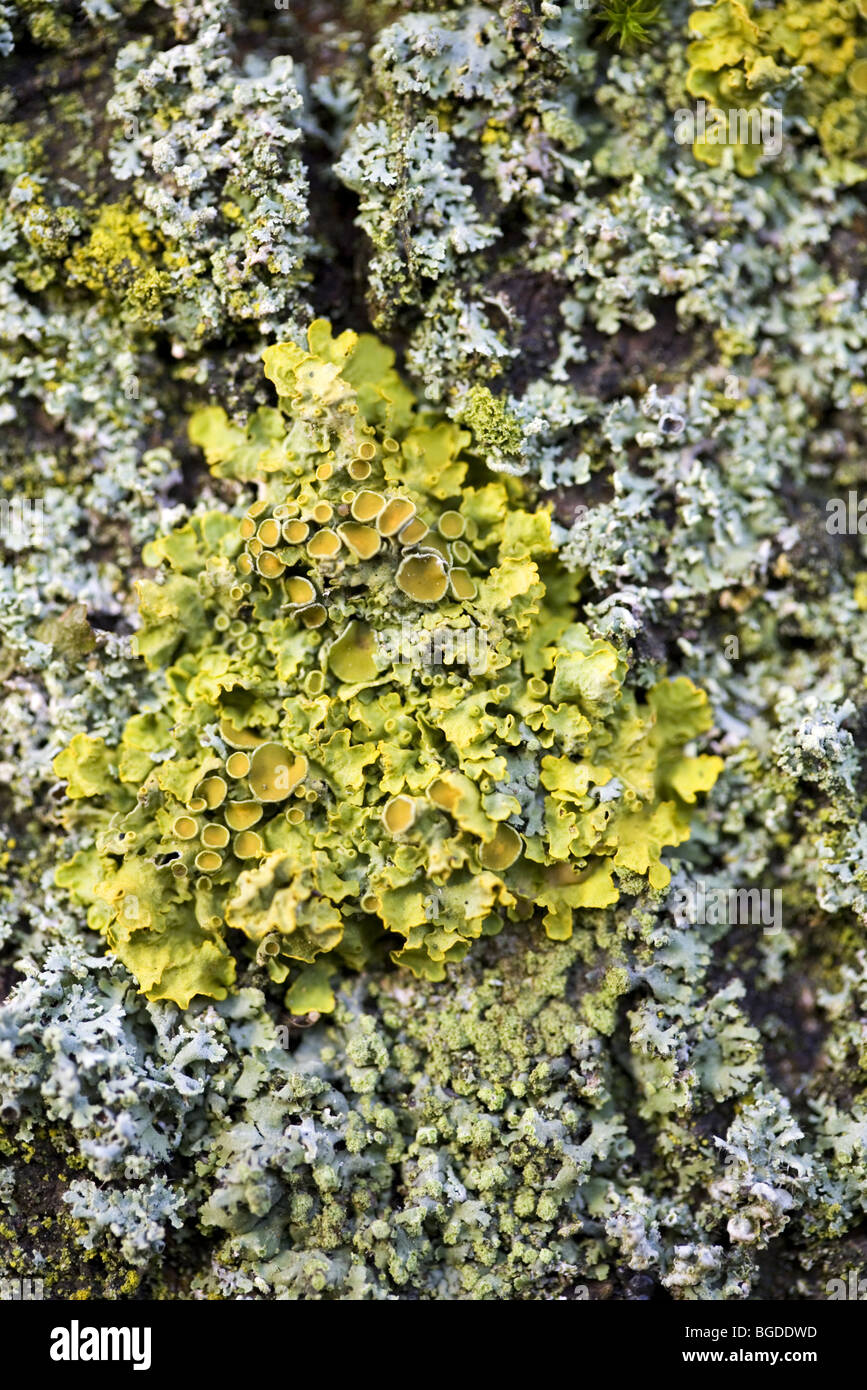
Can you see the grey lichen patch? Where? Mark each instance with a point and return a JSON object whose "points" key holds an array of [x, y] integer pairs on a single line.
{"points": [[41, 1240]]}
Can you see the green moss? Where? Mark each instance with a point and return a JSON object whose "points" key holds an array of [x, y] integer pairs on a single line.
{"points": [[630, 22]]}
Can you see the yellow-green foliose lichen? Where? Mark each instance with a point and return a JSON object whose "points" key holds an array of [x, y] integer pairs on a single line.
{"points": [[381, 721], [812, 51]]}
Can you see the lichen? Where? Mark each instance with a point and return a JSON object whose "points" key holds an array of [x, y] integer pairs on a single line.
{"points": [[667, 354], [815, 50], [429, 801]]}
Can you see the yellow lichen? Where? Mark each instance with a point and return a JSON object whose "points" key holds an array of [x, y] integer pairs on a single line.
{"points": [[427, 740]]}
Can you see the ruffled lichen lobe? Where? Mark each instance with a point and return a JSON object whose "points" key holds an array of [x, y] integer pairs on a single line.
{"points": [[381, 719]]}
